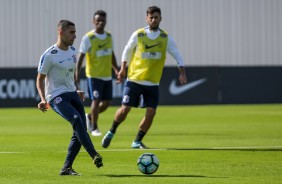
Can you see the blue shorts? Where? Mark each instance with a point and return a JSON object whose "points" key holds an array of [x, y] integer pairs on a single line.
{"points": [[136, 94], [99, 89]]}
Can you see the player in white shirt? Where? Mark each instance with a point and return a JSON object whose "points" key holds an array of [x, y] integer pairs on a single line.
{"points": [[56, 87], [97, 47], [59, 67], [146, 54], [132, 44]]}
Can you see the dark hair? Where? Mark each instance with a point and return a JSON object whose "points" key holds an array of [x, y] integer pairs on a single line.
{"points": [[63, 24], [101, 13], [153, 9]]}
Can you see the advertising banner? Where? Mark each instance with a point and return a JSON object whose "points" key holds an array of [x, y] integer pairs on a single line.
{"points": [[206, 85]]}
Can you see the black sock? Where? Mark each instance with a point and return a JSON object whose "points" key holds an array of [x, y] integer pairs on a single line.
{"points": [[140, 136], [94, 126], [114, 127]]}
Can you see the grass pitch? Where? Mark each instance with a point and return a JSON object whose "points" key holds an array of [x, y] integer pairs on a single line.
{"points": [[195, 144]]}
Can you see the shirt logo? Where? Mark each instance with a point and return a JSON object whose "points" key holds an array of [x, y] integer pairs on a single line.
{"points": [[100, 46], [61, 61], [141, 34], [151, 46], [54, 51]]}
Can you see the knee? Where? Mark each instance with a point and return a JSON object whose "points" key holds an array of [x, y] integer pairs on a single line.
{"points": [[76, 121], [151, 112], [104, 104], [125, 110]]}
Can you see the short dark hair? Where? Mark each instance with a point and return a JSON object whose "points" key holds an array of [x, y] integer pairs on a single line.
{"points": [[63, 24], [153, 9], [101, 13]]}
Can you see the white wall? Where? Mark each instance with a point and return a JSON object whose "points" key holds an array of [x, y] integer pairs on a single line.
{"points": [[207, 32]]}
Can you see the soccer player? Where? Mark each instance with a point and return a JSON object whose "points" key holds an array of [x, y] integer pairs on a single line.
{"points": [[146, 51], [56, 79], [97, 45]]}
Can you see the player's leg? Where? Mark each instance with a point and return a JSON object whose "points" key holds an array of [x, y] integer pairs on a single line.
{"points": [[120, 116], [130, 99], [95, 88], [144, 126], [105, 95], [59, 104], [73, 150], [76, 102], [94, 117], [62, 105], [103, 105], [150, 99]]}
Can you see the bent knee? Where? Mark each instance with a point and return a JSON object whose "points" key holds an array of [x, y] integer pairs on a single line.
{"points": [[75, 120], [125, 109]]}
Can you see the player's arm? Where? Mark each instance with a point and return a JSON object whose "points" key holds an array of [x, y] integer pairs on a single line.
{"points": [[174, 52], [182, 75], [84, 47], [80, 93], [114, 64], [114, 61], [76, 76], [78, 69], [122, 72], [42, 105], [126, 55]]}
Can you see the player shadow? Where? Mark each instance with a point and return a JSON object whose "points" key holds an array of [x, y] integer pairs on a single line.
{"points": [[158, 176]]}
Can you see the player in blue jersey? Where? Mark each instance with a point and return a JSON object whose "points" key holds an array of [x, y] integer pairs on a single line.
{"points": [[146, 53], [56, 87]]}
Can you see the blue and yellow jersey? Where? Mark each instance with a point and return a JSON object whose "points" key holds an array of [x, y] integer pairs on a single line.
{"points": [[99, 56], [148, 58]]}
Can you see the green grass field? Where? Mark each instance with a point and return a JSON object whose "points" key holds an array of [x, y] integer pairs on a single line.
{"points": [[195, 144]]}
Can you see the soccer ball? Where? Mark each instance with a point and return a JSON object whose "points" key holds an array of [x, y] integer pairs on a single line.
{"points": [[148, 163]]}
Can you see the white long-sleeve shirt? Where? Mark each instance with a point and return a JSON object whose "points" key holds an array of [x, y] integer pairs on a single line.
{"points": [[171, 46]]}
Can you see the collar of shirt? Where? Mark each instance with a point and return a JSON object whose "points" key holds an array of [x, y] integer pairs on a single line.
{"points": [[152, 34], [100, 36]]}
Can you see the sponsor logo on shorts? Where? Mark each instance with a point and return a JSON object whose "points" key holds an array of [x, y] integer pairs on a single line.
{"points": [[96, 94], [125, 99], [57, 100]]}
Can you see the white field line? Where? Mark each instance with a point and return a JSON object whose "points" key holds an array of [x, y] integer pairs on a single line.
{"points": [[249, 147], [195, 149], [171, 149], [9, 152], [123, 150]]}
